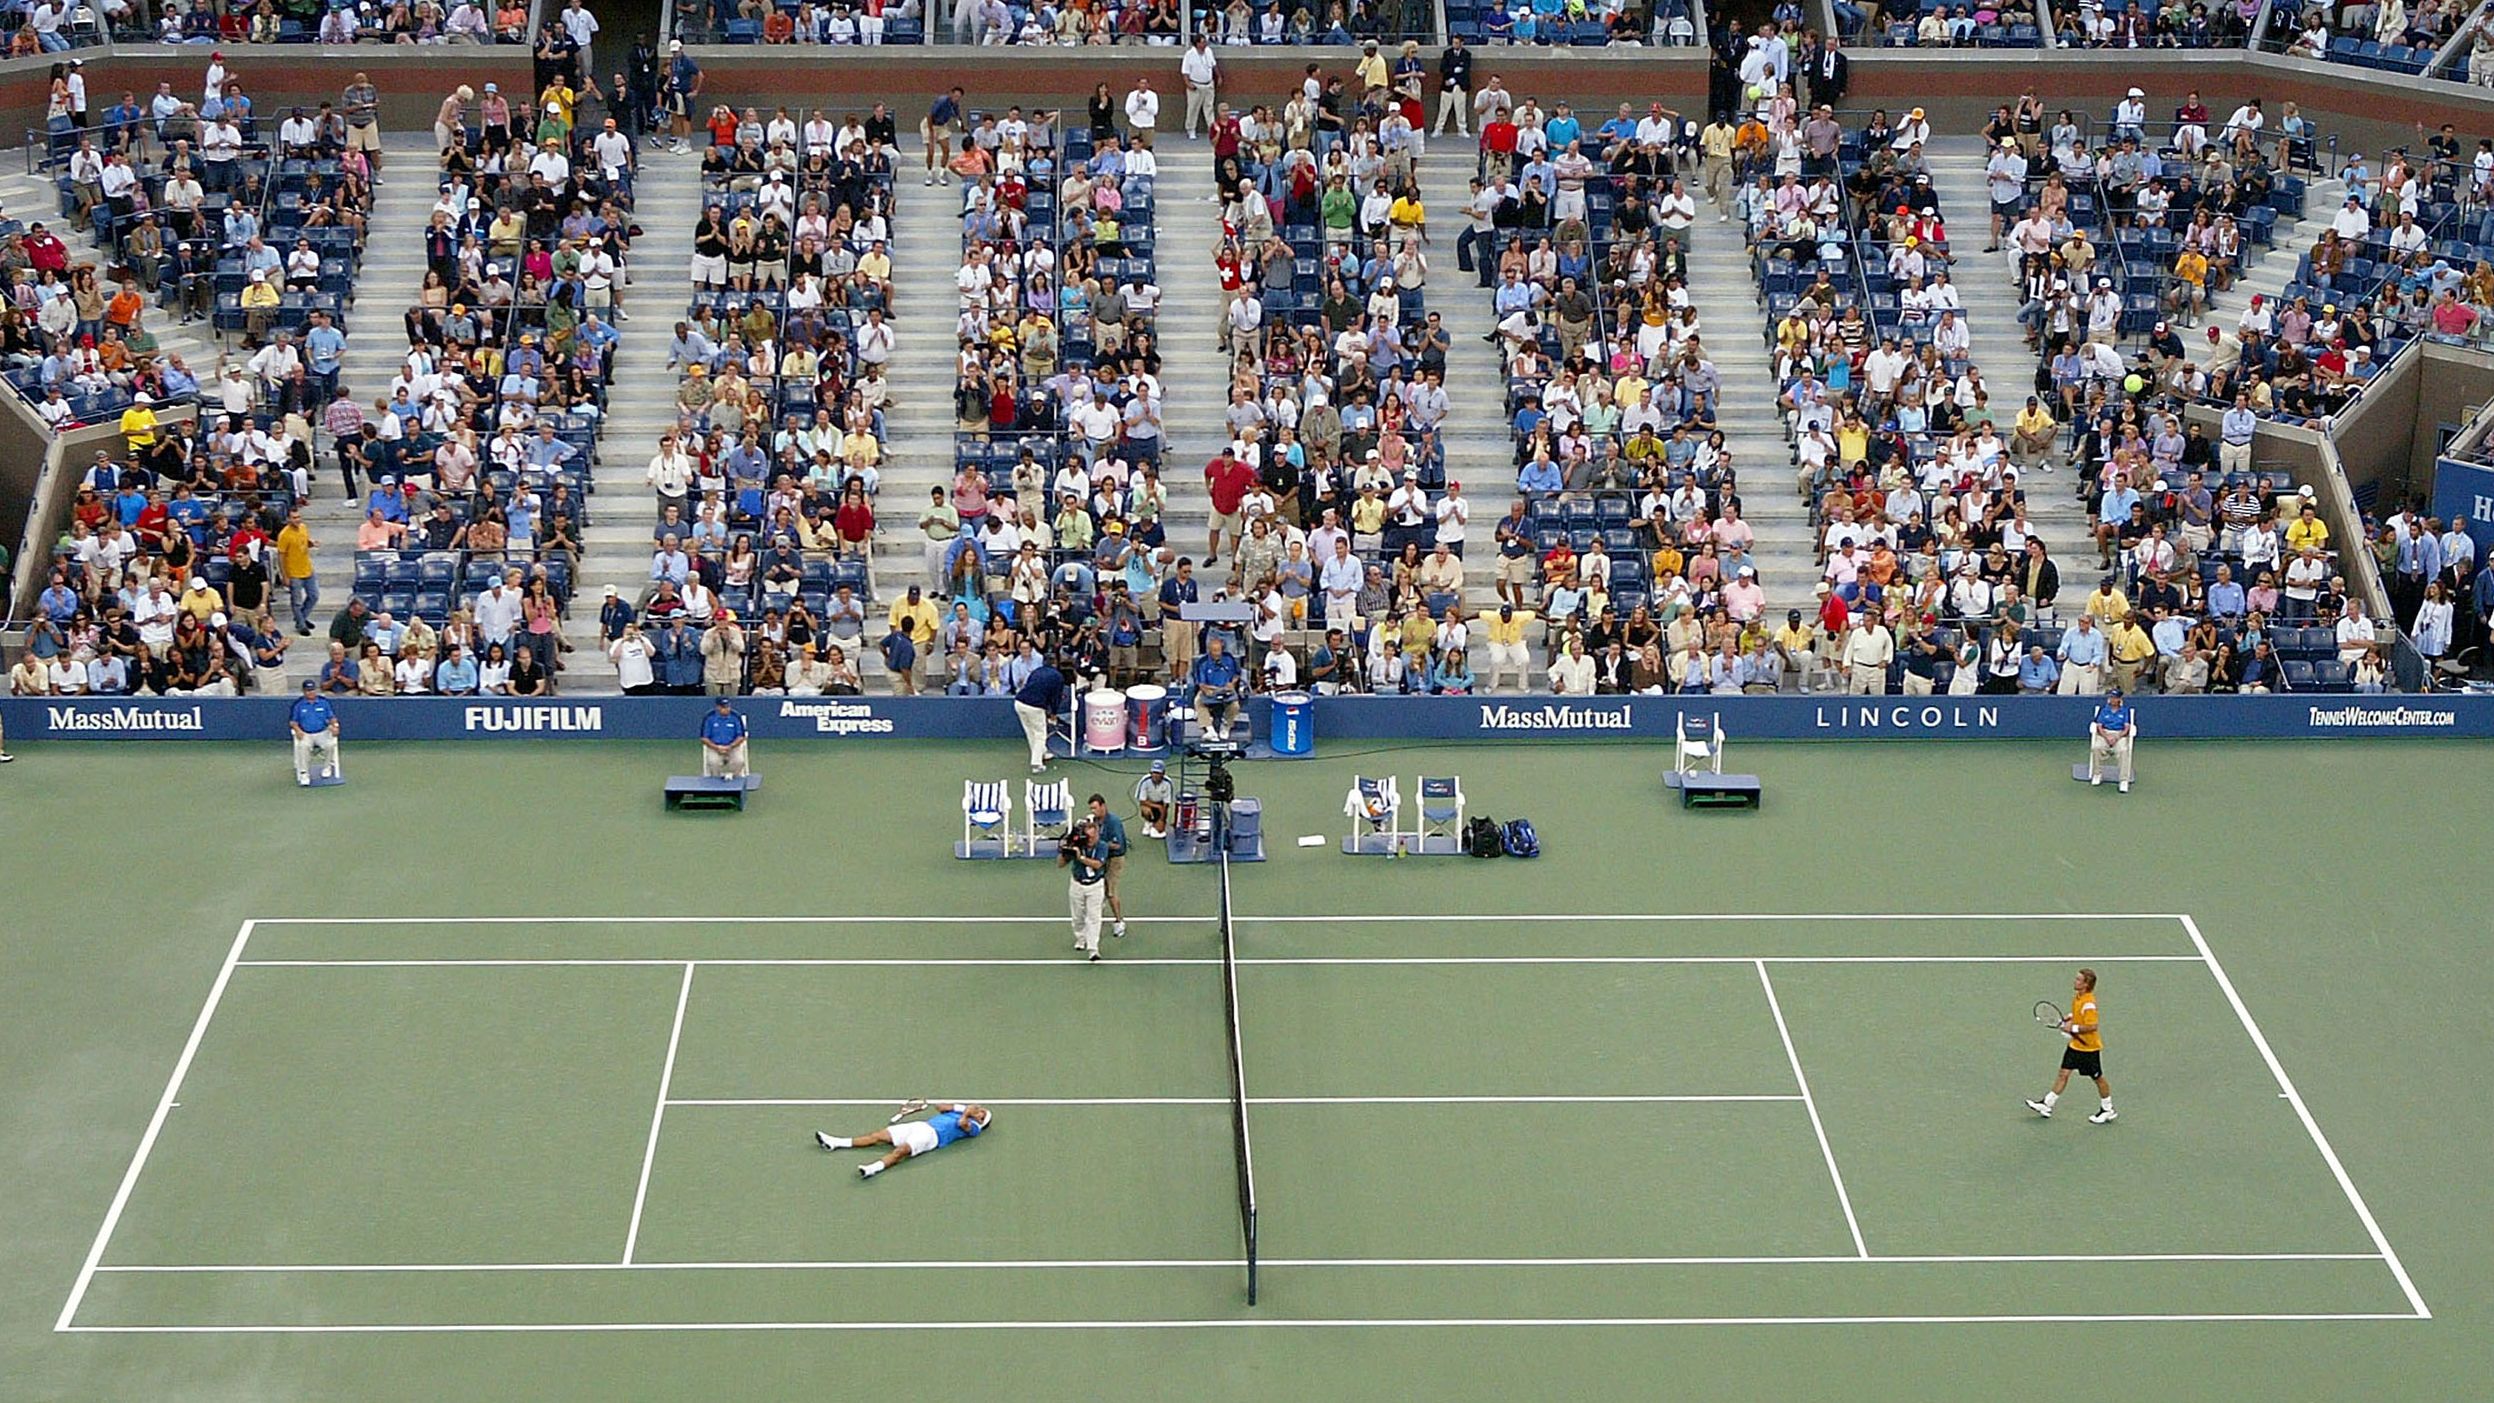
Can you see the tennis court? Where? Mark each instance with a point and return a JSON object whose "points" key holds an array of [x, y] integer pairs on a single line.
{"points": [[1500, 1113]]}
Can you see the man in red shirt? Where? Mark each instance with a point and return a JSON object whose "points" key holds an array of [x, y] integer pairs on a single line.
{"points": [[1498, 141], [1227, 477], [45, 250]]}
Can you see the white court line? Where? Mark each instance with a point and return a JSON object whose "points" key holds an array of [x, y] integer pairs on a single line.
{"points": [[1061, 962], [1353, 919], [1252, 1100], [658, 1116], [1208, 1263], [1843, 1199], [1259, 1323], [155, 1126], [2294, 1098]]}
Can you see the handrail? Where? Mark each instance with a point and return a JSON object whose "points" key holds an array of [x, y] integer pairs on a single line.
{"points": [[2461, 41]]}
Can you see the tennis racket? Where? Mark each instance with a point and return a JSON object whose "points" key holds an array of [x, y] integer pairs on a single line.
{"points": [[2049, 1014], [909, 1108]]}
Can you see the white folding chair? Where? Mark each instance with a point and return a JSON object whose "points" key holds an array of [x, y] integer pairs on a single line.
{"points": [[1047, 811], [1698, 747], [985, 808], [1441, 809], [1375, 808]]}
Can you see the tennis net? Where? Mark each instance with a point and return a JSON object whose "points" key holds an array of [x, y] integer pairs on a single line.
{"points": [[1238, 1081]]}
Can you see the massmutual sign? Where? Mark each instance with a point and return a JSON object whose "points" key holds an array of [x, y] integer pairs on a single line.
{"points": [[127, 720], [1556, 717]]}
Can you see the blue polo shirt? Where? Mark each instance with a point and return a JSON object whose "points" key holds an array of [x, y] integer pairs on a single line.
{"points": [[950, 1126], [723, 728], [2113, 716], [1216, 675], [1113, 835], [312, 714]]}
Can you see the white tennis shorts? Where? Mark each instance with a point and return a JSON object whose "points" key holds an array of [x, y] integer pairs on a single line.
{"points": [[915, 1136]]}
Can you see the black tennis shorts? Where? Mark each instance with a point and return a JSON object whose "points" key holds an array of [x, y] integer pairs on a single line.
{"points": [[2086, 1064]]}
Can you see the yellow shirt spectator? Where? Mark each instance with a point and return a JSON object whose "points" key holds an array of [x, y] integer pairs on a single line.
{"points": [[294, 551], [917, 619], [1509, 628], [2192, 267], [2307, 533], [138, 426]]}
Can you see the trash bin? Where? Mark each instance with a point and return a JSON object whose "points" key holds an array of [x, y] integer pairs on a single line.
{"points": [[1293, 726]]}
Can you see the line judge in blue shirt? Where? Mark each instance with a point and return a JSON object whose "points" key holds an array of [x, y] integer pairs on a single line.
{"points": [[2109, 734], [314, 725], [723, 741], [956, 1120]]}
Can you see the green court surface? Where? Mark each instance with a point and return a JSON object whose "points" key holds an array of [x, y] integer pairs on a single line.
{"points": [[483, 1076]]}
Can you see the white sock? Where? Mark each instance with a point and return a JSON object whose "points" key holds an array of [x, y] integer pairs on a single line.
{"points": [[2052, 1098], [840, 1142], [2105, 1103]]}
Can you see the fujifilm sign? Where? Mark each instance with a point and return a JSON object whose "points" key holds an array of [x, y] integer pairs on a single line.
{"points": [[535, 718], [127, 718], [1554, 717]]}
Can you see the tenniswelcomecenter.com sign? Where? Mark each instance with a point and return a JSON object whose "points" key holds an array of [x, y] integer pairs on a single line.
{"points": [[1336, 718]]}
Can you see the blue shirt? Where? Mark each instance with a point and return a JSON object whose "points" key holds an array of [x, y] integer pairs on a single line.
{"points": [[1218, 676], [2037, 674], [1044, 688], [723, 728], [950, 1126], [324, 347], [1113, 835], [2113, 717], [312, 715], [2083, 649]]}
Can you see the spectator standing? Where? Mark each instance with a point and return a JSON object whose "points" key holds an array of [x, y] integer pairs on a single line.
{"points": [[360, 103], [723, 656], [294, 565], [1142, 110], [1201, 68]]}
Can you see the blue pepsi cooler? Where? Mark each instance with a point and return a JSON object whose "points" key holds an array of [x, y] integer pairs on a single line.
{"points": [[1246, 826], [1293, 726]]}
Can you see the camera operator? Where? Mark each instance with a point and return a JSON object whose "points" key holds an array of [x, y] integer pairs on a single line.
{"points": [[1086, 853]]}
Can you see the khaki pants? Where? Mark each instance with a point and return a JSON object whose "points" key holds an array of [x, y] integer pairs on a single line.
{"points": [[316, 751], [1719, 182], [1085, 900], [2126, 675], [2100, 750], [1917, 686], [1199, 107], [1866, 679], [1454, 105], [729, 766], [2234, 457], [1177, 644], [1035, 730], [1505, 658], [2081, 680]]}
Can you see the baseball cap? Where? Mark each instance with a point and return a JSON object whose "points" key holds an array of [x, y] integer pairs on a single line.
{"points": [[1160, 767]]}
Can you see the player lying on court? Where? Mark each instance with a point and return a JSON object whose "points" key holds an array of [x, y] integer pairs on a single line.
{"points": [[953, 1120], [2084, 1027]]}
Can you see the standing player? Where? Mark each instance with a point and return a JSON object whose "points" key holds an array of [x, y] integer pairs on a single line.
{"points": [[2109, 734], [314, 724], [952, 1121], [2085, 1053]]}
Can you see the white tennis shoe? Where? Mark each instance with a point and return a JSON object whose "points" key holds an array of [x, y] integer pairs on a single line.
{"points": [[2040, 1109], [2104, 1117]]}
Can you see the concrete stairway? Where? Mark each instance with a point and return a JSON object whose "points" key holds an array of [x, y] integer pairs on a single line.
{"points": [[1732, 323], [1194, 371], [1987, 284], [640, 405]]}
